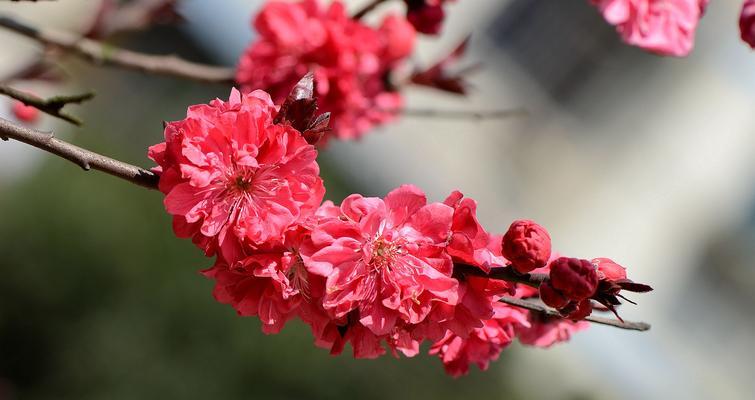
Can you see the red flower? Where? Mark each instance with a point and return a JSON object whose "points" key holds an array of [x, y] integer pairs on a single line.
{"points": [[350, 60], [527, 245], [385, 265], [230, 175], [575, 278]]}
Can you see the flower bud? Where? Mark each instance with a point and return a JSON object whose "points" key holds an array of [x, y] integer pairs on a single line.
{"points": [[581, 311], [24, 113], [552, 297], [575, 278], [527, 245], [747, 22], [609, 270]]}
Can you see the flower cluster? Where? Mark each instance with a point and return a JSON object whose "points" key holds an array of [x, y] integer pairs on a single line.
{"points": [[351, 61], [240, 178]]}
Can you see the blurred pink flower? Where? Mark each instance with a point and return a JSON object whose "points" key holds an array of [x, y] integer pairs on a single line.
{"points": [[665, 27], [547, 331], [350, 60]]}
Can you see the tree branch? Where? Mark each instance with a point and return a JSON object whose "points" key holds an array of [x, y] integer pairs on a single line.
{"points": [[635, 326], [83, 158], [52, 106], [463, 114], [367, 8], [101, 53], [502, 273]]}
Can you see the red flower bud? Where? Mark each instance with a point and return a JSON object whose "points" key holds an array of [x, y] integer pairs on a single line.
{"points": [[552, 297], [527, 245], [577, 279], [747, 22], [24, 113], [582, 310], [609, 270]]}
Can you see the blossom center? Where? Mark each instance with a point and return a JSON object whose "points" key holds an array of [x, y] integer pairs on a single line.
{"points": [[384, 253]]}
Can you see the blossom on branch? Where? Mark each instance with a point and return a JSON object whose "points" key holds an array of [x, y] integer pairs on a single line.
{"points": [[350, 60], [380, 274], [232, 176]]}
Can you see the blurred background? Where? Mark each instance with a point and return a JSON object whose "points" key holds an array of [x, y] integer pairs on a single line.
{"points": [[646, 160]]}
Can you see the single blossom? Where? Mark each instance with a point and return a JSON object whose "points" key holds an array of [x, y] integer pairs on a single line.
{"points": [[527, 245], [231, 176], [351, 61], [385, 264], [270, 283], [484, 344], [747, 22], [665, 27]]}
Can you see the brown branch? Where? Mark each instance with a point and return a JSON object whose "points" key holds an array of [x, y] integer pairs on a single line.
{"points": [[367, 8], [463, 114], [83, 158], [635, 326], [101, 53], [502, 273], [52, 106]]}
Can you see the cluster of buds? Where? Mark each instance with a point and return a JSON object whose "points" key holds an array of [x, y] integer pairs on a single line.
{"points": [[571, 284]]}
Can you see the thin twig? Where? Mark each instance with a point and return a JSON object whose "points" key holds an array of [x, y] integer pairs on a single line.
{"points": [[101, 53], [83, 158], [463, 114], [367, 8], [635, 326], [52, 106]]}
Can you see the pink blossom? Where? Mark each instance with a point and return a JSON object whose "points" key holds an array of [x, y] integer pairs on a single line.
{"points": [[385, 263], [269, 283], [483, 345], [665, 27], [350, 60], [230, 175], [470, 243]]}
